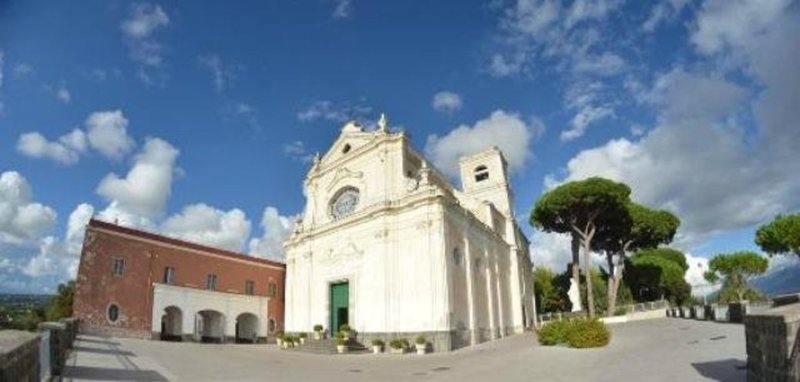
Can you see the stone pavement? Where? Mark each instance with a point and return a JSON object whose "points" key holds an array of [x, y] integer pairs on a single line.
{"points": [[654, 350]]}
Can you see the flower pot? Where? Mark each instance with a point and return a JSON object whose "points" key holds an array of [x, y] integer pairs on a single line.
{"points": [[398, 351], [302, 341], [376, 349], [285, 344], [317, 336], [421, 348], [279, 342], [341, 349]]}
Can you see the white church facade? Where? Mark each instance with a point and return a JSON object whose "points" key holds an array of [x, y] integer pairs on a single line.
{"points": [[389, 246]]}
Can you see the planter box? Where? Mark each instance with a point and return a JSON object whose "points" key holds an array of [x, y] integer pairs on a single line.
{"points": [[341, 349], [397, 351], [699, 312], [376, 349]]}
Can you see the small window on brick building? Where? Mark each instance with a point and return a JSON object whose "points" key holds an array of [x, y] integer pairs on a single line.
{"points": [[119, 267], [272, 290], [169, 275], [211, 281], [249, 287], [113, 312]]}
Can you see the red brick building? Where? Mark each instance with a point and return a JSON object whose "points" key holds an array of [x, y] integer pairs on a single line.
{"points": [[138, 284]]}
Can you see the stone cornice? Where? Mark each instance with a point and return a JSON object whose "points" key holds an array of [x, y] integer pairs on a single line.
{"points": [[427, 195]]}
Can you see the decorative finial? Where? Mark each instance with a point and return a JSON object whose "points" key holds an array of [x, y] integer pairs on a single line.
{"points": [[383, 124]]}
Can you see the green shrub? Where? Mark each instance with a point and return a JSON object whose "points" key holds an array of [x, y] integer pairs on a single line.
{"points": [[399, 343], [421, 340], [344, 328], [553, 333], [578, 333], [377, 342], [303, 335], [341, 341], [317, 328], [588, 334]]}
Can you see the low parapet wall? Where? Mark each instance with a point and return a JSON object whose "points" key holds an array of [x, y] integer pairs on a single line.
{"points": [[19, 356], [773, 344]]}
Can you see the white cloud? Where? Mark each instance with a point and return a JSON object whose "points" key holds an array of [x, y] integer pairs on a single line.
{"points": [[139, 29], [343, 9], [144, 20], [22, 70], [327, 110], [66, 150], [221, 75], [502, 129], [204, 224], [21, 219], [143, 192], [551, 250], [726, 185], [585, 117], [76, 228], [724, 23], [107, 133], [605, 64], [298, 151], [277, 228], [447, 102]]}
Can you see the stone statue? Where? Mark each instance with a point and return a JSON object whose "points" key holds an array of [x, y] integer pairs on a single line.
{"points": [[574, 291]]}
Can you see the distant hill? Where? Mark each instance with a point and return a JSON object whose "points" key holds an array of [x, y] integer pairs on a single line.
{"points": [[784, 279]]}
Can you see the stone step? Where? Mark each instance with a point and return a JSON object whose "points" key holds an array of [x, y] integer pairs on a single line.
{"points": [[327, 346]]}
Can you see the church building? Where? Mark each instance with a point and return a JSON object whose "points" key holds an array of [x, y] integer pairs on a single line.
{"points": [[388, 246]]}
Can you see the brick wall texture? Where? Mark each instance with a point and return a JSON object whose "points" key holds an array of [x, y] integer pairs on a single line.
{"points": [[145, 256]]}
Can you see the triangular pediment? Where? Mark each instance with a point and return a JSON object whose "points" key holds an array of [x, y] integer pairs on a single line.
{"points": [[351, 138]]}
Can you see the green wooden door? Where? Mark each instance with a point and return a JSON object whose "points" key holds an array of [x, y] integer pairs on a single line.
{"points": [[340, 296]]}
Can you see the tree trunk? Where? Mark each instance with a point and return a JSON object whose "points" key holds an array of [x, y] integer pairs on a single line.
{"points": [[587, 260], [576, 270], [611, 298]]}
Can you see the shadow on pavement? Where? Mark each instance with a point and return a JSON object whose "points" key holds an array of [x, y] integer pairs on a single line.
{"points": [[107, 374], [723, 370], [104, 351]]}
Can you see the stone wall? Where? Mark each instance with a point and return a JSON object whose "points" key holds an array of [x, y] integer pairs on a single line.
{"points": [[19, 356], [773, 344]]}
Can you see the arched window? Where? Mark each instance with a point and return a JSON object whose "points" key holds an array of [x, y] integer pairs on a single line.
{"points": [[481, 173], [457, 256], [113, 312]]}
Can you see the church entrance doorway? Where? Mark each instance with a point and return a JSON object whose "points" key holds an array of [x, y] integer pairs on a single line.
{"points": [[340, 296]]}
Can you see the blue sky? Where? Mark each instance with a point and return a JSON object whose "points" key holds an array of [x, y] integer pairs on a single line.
{"points": [[198, 119]]}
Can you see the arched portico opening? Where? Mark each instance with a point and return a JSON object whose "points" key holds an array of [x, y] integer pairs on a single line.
{"points": [[210, 326], [172, 324], [247, 328]]}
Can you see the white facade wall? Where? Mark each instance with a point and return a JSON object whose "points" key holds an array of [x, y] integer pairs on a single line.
{"points": [[191, 301], [396, 248]]}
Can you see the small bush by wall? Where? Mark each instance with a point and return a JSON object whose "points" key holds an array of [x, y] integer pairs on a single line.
{"points": [[578, 333]]}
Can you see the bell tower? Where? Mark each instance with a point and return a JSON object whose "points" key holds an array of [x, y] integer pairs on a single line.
{"points": [[484, 176]]}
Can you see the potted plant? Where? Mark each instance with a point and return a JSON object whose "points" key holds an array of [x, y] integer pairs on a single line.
{"points": [[303, 338], [398, 345], [341, 344], [279, 339], [287, 342], [345, 330], [317, 332], [377, 346], [421, 343]]}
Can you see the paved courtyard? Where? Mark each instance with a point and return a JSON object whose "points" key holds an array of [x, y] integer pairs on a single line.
{"points": [[654, 350]]}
